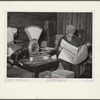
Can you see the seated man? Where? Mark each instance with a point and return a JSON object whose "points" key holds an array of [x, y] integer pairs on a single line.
{"points": [[73, 40]]}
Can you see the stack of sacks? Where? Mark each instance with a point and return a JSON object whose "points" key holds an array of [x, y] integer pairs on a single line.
{"points": [[11, 48], [10, 34]]}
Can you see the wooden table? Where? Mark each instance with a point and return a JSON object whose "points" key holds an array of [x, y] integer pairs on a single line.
{"points": [[37, 67]]}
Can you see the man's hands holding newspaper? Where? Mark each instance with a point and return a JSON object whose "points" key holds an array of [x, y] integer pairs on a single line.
{"points": [[60, 48], [88, 44]]}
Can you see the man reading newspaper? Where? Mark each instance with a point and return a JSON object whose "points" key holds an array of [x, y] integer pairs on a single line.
{"points": [[71, 50]]}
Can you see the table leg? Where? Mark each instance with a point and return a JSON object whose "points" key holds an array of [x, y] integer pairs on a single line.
{"points": [[76, 69], [36, 75]]}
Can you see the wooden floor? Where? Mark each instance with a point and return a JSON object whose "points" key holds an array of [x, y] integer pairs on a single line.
{"points": [[16, 72]]}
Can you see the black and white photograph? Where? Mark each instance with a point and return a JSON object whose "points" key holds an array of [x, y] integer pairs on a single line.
{"points": [[49, 45], [49, 50]]}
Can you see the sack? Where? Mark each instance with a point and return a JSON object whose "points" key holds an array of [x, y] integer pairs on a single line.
{"points": [[11, 48], [20, 54]]}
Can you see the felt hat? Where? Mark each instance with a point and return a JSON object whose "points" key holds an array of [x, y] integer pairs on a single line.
{"points": [[70, 28]]}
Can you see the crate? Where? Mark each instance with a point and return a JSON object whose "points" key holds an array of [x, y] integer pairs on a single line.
{"points": [[45, 74], [61, 73]]}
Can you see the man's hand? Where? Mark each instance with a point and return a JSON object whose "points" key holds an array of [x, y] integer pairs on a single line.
{"points": [[88, 44], [60, 48]]}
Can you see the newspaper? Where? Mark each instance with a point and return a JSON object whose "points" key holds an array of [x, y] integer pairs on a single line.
{"points": [[72, 54]]}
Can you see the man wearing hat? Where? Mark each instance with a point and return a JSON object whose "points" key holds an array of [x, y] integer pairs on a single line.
{"points": [[73, 40]]}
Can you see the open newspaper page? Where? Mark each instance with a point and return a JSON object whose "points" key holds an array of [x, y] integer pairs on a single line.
{"points": [[82, 53], [72, 54], [68, 47]]}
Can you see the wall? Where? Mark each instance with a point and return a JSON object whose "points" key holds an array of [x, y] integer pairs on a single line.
{"points": [[17, 19], [79, 20], [21, 20]]}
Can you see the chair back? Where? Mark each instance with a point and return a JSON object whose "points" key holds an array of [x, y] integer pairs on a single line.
{"points": [[57, 37]]}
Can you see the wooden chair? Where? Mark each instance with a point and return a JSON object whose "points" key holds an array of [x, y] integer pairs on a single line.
{"points": [[57, 37]]}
